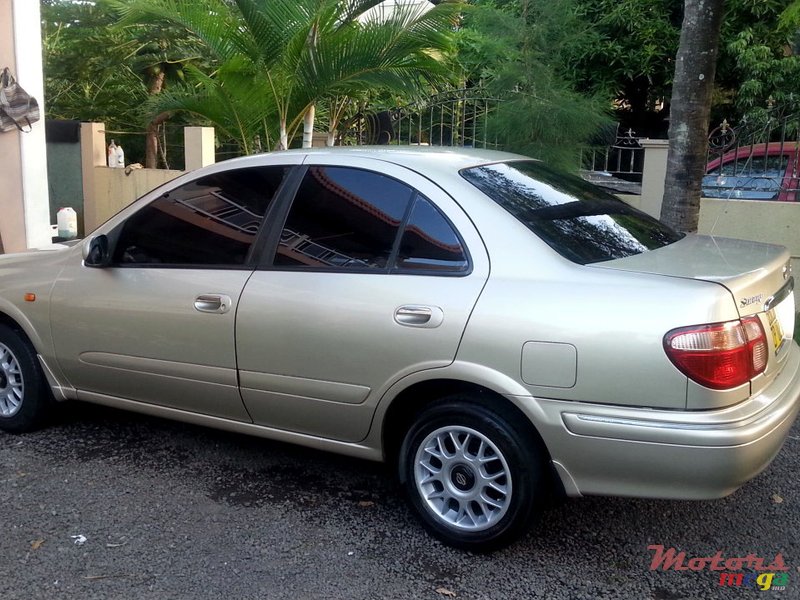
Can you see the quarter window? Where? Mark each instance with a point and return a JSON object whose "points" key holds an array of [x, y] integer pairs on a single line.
{"points": [[429, 242], [212, 221]]}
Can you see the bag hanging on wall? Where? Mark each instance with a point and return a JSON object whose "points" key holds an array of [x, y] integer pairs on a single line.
{"points": [[18, 109]]}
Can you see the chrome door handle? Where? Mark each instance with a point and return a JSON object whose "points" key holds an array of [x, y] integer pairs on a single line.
{"points": [[416, 315], [213, 303]]}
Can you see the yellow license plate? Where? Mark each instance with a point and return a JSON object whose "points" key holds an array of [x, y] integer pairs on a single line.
{"points": [[775, 328]]}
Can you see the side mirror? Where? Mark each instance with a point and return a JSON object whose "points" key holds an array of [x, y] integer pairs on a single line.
{"points": [[95, 252]]}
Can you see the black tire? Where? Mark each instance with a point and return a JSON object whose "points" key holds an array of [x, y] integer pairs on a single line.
{"points": [[470, 513], [25, 399]]}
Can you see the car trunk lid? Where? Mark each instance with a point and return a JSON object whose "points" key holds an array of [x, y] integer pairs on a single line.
{"points": [[757, 275]]}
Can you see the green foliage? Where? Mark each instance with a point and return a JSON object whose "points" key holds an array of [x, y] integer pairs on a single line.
{"points": [[758, 64], [86, 74], [96, 70], [511, 49], [624, 50], [250, 66], [627, 49], [278, 58], [233, 100]]}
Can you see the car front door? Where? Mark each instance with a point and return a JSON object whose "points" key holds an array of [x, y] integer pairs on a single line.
{"points": [[366, 282], [157, 324]]}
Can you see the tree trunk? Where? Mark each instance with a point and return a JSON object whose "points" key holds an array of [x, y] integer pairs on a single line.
{"points": [[695, 65], [332, 123], [151, 141], [308, 126], [151, 137], [151, 146], [284, 141]]}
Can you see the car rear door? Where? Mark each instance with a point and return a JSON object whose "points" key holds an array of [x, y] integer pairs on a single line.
{"points": [[371, 278]]}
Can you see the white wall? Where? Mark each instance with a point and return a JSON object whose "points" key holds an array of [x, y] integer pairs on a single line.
{"points": [[24, 202], [758, 220]]}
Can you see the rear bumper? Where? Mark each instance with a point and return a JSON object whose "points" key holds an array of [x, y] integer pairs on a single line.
{"points": [[617, 451]]}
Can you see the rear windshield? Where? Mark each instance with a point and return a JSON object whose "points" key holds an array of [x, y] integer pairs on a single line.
{"points": [[580, 221]]}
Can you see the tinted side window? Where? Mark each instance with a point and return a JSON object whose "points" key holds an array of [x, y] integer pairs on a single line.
{"points": [[581, 222], [769, 166], [429, 242], [210, 221], [747, 177], [343, 218]]}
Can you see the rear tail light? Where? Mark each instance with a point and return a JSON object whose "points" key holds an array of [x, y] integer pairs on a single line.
{"points": [[719, 356]]}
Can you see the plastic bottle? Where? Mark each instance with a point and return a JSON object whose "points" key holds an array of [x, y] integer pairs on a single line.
{"points": [[112, 154], [120, 158], [67, 223]]}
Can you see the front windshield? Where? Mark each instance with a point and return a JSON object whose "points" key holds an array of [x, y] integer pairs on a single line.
{"points": [[580, 221]]}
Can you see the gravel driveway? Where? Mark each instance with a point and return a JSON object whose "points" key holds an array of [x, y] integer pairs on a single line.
{"points": [[175, 511]]}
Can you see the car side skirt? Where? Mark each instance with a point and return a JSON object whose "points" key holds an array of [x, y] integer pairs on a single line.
{"points": [[348, 449]]}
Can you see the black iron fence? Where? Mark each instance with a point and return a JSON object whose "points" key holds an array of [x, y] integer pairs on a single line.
{"points": [[454, 118], [618, 166], [755, 160], [464, 118]]}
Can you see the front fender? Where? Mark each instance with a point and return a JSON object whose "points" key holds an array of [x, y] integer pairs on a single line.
{"points": [[26, 285]]}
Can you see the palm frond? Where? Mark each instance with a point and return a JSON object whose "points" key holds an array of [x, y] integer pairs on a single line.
{"points": [[212, 21], [279, 57], [234, 100]]}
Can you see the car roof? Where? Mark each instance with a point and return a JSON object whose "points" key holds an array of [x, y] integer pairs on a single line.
{"points": [[755, 151], [423, 159]]}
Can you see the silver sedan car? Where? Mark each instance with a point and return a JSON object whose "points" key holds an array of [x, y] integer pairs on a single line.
{"points": [[495, 330]]}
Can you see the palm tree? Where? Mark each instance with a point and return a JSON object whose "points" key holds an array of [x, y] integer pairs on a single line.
{"points": [[160, 59], [277, 60]]}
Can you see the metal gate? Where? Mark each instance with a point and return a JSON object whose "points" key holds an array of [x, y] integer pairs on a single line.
{"points": [[454, 118], [756, 160]]}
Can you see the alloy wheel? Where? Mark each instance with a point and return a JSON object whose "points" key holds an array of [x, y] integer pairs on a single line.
{"points": [[463, 478], [12, 386]]}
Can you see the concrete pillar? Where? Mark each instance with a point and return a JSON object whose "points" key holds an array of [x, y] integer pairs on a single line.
{"points": [[93, 154], [198, 145], [654, 174], [24, 202]]}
